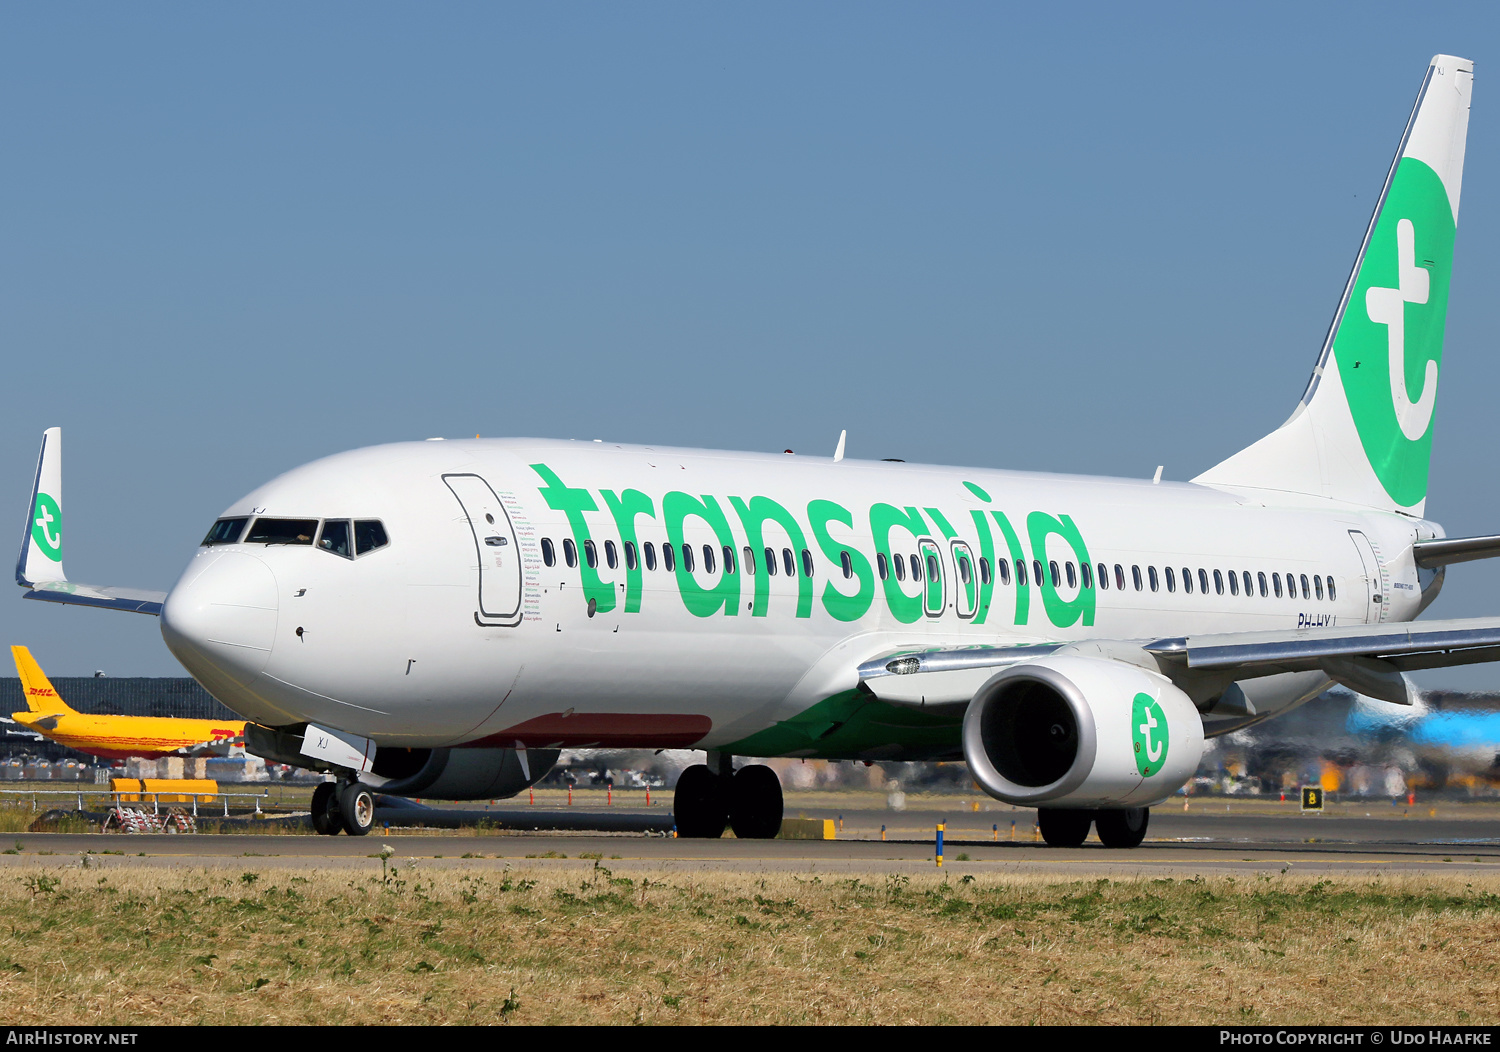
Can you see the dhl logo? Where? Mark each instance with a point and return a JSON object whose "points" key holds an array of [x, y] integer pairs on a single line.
{"points": [[42, 692]]}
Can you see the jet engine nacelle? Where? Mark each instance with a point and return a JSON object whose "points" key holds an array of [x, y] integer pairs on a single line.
{"points": [[460, 774], [1081, 732]]}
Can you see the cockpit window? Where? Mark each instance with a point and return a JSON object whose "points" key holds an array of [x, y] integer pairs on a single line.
{"points": [[225, 531], [282, 531], [369, 534], [335, 538]]}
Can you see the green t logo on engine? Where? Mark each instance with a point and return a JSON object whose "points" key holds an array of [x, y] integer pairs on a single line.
{"points": [[1148, 728]]}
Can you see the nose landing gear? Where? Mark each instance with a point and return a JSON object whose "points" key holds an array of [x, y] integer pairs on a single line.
{"points": [[345, 806]]}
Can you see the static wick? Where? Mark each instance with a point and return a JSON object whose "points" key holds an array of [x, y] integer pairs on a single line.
{"points": [[1155, 479], [838, 453]]}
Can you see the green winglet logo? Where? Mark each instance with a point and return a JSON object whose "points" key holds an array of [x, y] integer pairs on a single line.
{"points": [[1148, 729], [46, 527], [1390, 342]]}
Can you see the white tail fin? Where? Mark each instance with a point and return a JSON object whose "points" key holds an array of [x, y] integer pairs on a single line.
{"points": [[1362, 433], [41, 546]]}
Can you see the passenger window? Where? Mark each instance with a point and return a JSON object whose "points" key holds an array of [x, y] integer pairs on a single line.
{"points": [[549, 554], [1171, 580], [1021, 573], [847, 564], [1002, 568], [590, 555], [282, 531], [1203, 581], [728, 559], [916, 567], [1056, 577], [611, 559], [1332, 595], [771, 561], [1234, 583], [1119, 577], [788, 563], [708, 559], [1103, 577], [570, 552], [807, 563], [1036, 572], [669, 558], [748, 559], [1261, 579], [1306, 591], [1318, 585], [984, 570], [1276, 584], [1218, 583], [1151, 575], [630, 558], [882, 567], [687, 556], [335, 538], [900, 567], [1088, 575], [933, 573], [1249, 586], [225, 531], [1135, 573], [1072, 575], [369, 534], [1187, 580], [649, 550]]}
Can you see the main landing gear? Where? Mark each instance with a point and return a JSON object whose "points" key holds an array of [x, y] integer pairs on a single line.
{"points": [[1118, 827], [343, 806], [747, 801]]}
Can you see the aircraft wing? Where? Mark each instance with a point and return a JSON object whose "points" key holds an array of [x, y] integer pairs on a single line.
{"points": [[39, 568], [1367, 658]]}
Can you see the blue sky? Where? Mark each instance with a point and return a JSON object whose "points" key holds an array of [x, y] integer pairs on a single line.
{"points": [[1090, 239]]}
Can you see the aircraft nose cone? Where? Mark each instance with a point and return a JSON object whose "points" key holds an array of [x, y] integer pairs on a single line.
{"points": [[220, 619]]}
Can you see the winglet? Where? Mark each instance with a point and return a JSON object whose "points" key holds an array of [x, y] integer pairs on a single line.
{"points": [[40, 560], [41, 697]]}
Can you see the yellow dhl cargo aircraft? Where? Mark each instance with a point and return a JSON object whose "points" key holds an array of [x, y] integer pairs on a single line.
{"points": [[111, 737]]}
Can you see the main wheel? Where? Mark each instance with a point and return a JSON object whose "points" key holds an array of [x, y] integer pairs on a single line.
{"points": [[357, 808], [1122, 828], [326, 818], [1064, 827], [755, 803], [698, 804]]}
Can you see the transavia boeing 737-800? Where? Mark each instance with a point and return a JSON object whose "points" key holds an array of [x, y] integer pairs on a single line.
{"points": [[440, 618]]}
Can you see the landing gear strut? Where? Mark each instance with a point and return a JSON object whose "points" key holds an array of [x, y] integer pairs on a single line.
{"points": [[748, 800]]}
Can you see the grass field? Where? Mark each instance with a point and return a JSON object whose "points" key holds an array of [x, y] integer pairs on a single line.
{"points": [[552, 943]]}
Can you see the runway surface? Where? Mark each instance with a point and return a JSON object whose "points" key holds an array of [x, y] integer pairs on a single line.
{"points": [[1200, 841]]}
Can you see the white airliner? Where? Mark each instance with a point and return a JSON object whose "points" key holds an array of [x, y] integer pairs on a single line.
{"points": [[440, 618]]}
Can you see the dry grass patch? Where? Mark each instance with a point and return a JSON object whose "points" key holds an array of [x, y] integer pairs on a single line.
{"points": [[559, 943]]}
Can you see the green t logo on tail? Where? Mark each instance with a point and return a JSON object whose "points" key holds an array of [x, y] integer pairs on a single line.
{"points": [[46, 527], [1390, 341], [1148, 731]]}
